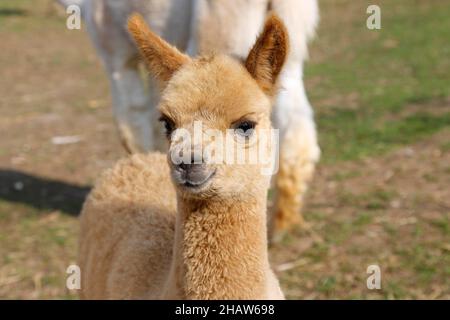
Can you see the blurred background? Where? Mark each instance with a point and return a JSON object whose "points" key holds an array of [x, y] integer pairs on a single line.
{"points": [[382, 191]]}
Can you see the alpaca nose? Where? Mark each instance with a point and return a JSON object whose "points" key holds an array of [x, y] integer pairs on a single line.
{"points": [[190, 166], [195, 172]]}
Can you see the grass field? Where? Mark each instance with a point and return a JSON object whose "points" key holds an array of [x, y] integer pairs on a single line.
{"points": [[381, 194]]}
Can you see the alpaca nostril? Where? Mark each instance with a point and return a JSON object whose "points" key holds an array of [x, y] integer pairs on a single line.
{"points": [[197, 157], [185, 166], [189, 167]]}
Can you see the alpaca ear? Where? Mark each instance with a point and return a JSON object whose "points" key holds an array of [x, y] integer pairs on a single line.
{"points": [[267, 57], [162, 59]]}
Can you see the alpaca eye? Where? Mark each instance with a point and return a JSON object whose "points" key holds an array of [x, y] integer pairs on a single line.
{"points": [[244, 128], [169, 126]]}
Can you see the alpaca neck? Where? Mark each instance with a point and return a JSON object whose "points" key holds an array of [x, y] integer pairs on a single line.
{"points": [[220, 250]]}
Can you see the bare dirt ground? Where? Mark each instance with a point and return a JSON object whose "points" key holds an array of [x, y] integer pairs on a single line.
{"points": [[391, 209]]}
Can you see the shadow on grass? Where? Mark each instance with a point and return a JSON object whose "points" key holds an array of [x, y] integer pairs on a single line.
{"points": [[6, 12], [42, 193]]}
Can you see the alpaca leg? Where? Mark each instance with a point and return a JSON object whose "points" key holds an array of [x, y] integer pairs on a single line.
{"points": [[134, 109], [298, 150], [297, 164], [293, 115], [133, 106]]}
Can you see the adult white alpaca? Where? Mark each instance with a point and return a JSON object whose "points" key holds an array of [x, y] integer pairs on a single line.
{"points": [[201, 26]]}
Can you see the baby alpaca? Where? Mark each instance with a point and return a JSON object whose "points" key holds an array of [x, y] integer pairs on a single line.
{"points": [[155, 229]]}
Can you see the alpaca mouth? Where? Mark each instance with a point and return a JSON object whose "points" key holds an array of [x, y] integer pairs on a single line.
{"points": [[198, 184]]}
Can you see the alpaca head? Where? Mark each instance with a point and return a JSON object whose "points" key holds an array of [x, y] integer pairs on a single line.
{"points": [[216, 111]]}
